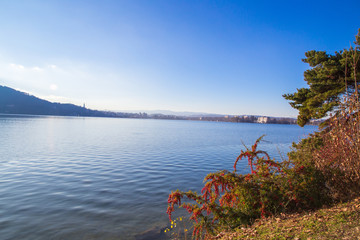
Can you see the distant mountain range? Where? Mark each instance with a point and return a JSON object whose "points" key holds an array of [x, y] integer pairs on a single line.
{"points": [[16, 102]]}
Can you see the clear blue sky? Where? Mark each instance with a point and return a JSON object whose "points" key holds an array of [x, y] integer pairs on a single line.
{"points": [[229, 57]]}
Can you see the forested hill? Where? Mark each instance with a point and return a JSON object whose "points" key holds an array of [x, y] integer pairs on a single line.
{"points": [[16, 102]]}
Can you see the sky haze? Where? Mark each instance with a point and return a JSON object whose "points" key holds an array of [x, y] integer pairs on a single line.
{"points": [[225, 57]]}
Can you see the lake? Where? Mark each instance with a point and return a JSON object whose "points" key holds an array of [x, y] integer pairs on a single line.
{"points": [[104, 178]]}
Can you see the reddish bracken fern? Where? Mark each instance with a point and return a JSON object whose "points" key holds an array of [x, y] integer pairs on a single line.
{"points": [[229, 199]]}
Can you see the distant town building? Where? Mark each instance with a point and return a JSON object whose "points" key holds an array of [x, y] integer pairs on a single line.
{"points": [[262, 120]]}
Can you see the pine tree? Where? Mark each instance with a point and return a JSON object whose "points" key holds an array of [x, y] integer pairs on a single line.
{"points": [[329, 78]]}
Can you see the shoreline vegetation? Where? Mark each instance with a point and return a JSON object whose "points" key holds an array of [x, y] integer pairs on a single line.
{"points": [[289, 198], [340, 221], [16, 102]]}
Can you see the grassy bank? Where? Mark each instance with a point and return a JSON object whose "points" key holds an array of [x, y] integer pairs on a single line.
{"points": [[341, 221]]}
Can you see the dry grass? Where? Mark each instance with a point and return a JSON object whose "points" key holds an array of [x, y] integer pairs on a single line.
{"points": [[341, 221], [339, 158]]}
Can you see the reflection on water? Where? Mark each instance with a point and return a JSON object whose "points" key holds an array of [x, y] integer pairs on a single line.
{"points": [[100, 178]]}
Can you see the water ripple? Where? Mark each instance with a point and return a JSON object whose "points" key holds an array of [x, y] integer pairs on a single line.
{"points": [[97, 178]]}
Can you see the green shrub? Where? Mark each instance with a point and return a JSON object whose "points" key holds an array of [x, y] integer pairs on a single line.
{"points": [[229, 199]]}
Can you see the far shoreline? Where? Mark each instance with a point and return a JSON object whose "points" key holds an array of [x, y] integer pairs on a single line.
{"points": [[230, 119]]}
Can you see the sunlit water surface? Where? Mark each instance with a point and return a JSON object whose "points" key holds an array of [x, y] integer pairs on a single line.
{"points": [[102, 178]]}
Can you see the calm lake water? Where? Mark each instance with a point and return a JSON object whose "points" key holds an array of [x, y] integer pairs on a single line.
{"points": [[102, 178]]}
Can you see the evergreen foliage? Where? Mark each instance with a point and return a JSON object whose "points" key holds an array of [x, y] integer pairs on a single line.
{"points": [[330, 76]]}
